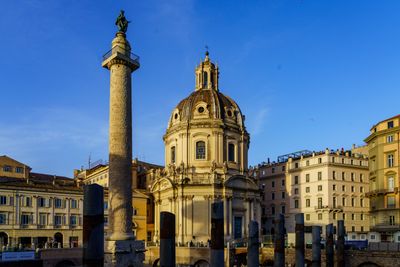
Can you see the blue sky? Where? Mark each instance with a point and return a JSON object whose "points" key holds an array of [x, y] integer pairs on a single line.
{"points": [[308, 74]]}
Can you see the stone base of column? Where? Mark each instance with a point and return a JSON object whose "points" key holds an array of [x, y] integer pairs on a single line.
{"points": [[123, 253]]}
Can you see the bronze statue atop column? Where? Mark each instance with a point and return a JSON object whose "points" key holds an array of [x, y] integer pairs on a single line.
{"points": [[122, 22]]}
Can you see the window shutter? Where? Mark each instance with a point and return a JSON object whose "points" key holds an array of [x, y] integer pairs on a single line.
{"points": [[11, 201], [31, 219], [80, 220], [64, 203], [63, 220]]}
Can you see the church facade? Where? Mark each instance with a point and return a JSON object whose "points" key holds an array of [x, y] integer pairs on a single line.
{"points": [[206, 148]]}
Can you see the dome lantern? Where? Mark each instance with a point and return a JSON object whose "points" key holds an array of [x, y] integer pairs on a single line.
{"points": [[207, 75]]}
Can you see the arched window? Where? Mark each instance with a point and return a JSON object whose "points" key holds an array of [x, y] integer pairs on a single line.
{"points": [[205, 79], [231, 152], [173, 154], [200, 150], [199, 80]]}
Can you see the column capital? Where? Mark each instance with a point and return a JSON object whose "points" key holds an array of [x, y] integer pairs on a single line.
{"points": [[228, 197]]}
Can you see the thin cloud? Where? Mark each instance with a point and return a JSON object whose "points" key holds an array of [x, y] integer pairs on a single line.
{"points": [[47, 133], [256, 125]]}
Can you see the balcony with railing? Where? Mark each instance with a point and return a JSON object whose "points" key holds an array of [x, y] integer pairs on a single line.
{"points": [[73, 226], [321, 207], [336, 208], [383, 191], [333, 208], [120, 52], [386, 226], [201, 179]]}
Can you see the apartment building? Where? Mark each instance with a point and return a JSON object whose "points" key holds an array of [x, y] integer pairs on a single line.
{"points": [[36, 208], [384, 148], [326, 186]]}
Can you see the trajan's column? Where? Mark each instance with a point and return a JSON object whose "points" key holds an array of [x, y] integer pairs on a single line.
{"points": [[121, 249]]}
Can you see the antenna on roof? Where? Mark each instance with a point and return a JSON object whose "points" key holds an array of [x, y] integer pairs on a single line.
{"points": [[90, 155]]}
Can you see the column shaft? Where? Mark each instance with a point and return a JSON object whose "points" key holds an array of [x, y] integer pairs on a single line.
{"points": [[120, 149]]}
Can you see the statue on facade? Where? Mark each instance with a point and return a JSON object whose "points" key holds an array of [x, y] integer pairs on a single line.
{"points": [[158, 173], [225, 168], [172, 169], [122, 22], [213, 166], [182, 168]]}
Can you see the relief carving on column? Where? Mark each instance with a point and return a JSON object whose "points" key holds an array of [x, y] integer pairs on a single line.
{"points": [[119, 62]]}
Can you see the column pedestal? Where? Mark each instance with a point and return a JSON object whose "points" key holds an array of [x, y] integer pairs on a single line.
{"points": [[124, 253]]}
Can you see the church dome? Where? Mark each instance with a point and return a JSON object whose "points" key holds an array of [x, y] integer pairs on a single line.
{"points": [[206, 129], [207, 102], [218, 105]]}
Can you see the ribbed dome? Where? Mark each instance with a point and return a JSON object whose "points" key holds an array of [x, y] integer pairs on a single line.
{"points": [[213, 104], [207, 105]]}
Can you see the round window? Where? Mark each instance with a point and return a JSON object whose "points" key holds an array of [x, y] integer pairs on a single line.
{"points": [[229, 113], [200, 109], [176, 116]]}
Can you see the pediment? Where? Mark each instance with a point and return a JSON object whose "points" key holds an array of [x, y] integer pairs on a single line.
{"points": [[390, 173], [161, 184], [241, 182]]}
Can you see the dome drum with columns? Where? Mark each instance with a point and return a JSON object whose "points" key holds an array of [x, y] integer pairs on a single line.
{"points": [[206, 146]]}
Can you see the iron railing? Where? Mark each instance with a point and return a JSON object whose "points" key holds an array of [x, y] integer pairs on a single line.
{"points": [[119, 49], [382, 191]]}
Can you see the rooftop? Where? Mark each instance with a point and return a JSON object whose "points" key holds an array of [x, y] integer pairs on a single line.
{"points": [[40, 180], [306, 154]]}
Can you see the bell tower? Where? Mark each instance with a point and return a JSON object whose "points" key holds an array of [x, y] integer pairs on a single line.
{"points": [[207, 75]]}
